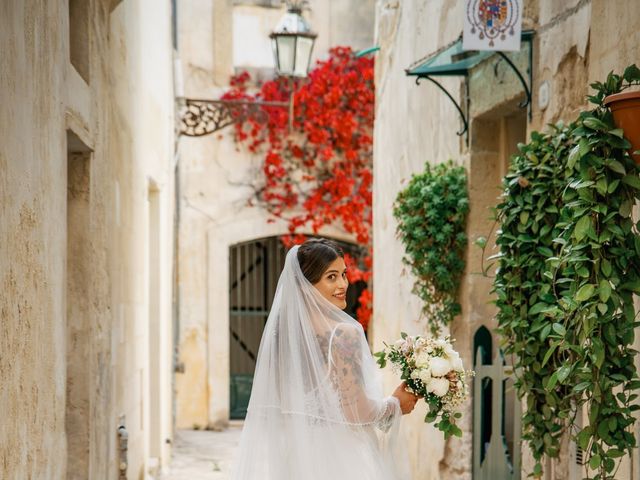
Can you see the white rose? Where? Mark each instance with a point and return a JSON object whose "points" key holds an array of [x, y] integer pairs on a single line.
{"points": [[457, 364], [399, 343], [438, 386], [415, 374], [450, 352], [424, 374], [440, 366]]}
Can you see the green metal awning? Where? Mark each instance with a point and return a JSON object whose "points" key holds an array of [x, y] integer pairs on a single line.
{"points": [[367, 51], [452, 60]]}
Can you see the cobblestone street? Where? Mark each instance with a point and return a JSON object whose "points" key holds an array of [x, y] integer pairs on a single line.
{"points": [[203, 455]]}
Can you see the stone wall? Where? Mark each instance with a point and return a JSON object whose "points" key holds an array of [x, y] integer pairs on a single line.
{"points": [[572, 47], [87, 131]]}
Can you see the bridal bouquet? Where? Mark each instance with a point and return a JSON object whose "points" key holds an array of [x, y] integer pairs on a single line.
{"points": [[432, 369]]}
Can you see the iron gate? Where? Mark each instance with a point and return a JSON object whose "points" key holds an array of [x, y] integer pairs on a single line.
{"points": [[496, 415], [254, 270]]}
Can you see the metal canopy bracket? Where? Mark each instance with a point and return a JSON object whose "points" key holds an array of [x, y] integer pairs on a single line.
{"points": [[452, 60], [465, 123]]}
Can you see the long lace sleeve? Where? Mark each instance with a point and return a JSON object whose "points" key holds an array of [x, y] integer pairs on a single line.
{"points": [[356, 393]]}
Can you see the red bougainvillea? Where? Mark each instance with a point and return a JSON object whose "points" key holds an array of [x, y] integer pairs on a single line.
{"points": [[318, 172]]}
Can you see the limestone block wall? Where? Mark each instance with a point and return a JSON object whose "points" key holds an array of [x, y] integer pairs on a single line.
{"points": [[86, 129], [414, 125], [214, 178], [572, 47]]}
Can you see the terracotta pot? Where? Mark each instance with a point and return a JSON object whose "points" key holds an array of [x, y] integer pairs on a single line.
{"points": [[625, 107]]}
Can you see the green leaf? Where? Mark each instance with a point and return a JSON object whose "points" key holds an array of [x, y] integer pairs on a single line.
{"points": [[563, 373], [616, 166], [594, 462], [613, 185], [455, 431], [595, 124], [631, 74], [625, 208], [382, 360], [559, 329], [583, 438], [618, 132], [605, 267], [544, 333], [581, 387], [615, 453], [604, 290], [632, 181], [598, 352], [585, 292], [574, 156], [552, 381], [549, 352], [537, 308], [582, 228]]}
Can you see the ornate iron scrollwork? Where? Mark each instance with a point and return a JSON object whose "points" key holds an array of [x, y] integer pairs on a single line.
{"points": [[202, 117]]}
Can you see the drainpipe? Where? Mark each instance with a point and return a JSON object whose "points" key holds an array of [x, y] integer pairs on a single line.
{"points": [[123, 446]]}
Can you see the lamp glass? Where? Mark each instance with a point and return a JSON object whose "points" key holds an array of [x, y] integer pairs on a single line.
{"points": [[286, 49], [304, 45]]}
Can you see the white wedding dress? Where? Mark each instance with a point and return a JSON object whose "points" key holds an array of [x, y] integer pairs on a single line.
{"points": [[317, 411]]}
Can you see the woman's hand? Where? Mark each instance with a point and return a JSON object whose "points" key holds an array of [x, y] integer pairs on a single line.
{"points": [[407, 400]]}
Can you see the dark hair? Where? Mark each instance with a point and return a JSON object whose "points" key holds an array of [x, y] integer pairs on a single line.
{"points": [[315, 255]]}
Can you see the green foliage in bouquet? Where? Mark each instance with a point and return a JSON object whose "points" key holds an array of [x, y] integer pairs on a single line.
{"points": [[431, 213], [569, 265]]}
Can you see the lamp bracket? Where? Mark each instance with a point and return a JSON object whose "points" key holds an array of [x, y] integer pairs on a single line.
{"points": [[201, 117]]}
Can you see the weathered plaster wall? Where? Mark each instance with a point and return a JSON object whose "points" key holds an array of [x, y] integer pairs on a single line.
{"points": [[213, 206], [573, 46], [414, 125], [143, 153], [74, 305], [31, 305]]}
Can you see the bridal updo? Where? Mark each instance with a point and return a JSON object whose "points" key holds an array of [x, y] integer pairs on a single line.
{"points": [[315, 255]]}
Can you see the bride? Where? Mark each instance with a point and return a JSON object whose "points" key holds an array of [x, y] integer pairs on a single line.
{"points": [[317, 411]]}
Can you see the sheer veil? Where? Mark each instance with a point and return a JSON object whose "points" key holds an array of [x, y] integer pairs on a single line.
{"points": [[317, 411]]}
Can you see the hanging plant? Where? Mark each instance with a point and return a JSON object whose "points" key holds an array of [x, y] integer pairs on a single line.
{"points": [[569, 265], [431, 213]]}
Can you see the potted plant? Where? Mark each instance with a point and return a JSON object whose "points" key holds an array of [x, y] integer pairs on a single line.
{"points": [[625, 106]]}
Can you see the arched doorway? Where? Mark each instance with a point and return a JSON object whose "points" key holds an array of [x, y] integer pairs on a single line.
{"points": [[254, 269]]}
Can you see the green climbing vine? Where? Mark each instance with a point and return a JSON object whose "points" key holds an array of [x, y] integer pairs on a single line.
{"points": [[569, 265], [431, 213]]}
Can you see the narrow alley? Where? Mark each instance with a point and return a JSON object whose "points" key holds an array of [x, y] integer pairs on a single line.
{"points": [[203, 454], [470, 168]]}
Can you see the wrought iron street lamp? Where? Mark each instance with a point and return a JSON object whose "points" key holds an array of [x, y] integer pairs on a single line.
{"points": [[292, 43]]}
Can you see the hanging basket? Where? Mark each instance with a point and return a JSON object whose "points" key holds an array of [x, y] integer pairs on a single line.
{"points": [[625, 107]]}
